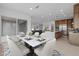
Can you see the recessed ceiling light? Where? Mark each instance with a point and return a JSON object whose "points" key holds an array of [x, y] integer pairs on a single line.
{"points": [[31, 8]]}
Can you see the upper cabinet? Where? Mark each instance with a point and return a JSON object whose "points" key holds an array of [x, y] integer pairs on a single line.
{"points": [[76, 16], [76, 11], [76, 8]]}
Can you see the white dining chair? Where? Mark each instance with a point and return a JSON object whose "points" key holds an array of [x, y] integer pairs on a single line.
{"points": [[14, 49], [48, 35], [21, 45], [21, 34], [47, 50], [36, 34], [43, 35], [17, 40]]}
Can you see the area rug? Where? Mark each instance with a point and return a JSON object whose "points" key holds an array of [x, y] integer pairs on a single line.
{"points": [[57, 53]]}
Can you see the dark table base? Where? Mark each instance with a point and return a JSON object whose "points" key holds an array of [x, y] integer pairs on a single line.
{"points": [[31, 53]]}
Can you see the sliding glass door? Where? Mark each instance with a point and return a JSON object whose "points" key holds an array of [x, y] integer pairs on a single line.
{"points": [[8, 27], [12, 26]]}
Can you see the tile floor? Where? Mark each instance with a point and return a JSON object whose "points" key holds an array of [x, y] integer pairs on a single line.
{"points": [[65, 48]]}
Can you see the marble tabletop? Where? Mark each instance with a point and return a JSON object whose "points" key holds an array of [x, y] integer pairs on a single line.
{"points": [[33, 41]]}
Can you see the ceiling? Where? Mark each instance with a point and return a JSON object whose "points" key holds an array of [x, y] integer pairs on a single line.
{"points": [[43, 12]]}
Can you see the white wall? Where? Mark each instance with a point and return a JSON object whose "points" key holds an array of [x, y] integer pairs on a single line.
{"points": [[16, 14]]}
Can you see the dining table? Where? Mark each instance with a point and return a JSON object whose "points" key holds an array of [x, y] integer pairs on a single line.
{"points": [[33, 42]]}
